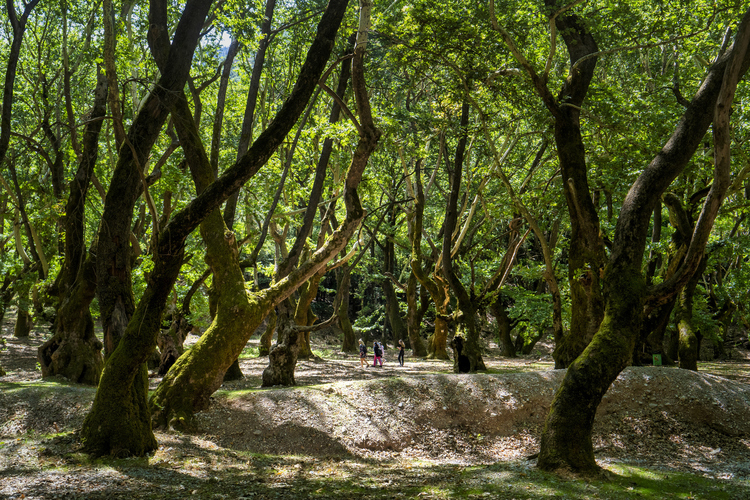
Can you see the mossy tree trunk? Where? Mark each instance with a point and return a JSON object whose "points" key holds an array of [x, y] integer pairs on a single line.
{"points": [[689, 341], [119, 418], [74, 351], [119, 421], [566, 440], [196, 375], [436, 286]]}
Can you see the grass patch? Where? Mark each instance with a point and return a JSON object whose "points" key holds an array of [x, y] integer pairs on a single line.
{"points": [[250, 352]]}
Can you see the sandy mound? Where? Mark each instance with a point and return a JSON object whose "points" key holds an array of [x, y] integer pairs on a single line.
{"points": [[662, 415]]}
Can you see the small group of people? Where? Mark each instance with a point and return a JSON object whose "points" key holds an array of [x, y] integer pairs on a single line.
{"points": [[377, 348]]}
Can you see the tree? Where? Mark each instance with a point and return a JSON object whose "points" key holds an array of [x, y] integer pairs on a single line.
{"points": [[566, 439]]}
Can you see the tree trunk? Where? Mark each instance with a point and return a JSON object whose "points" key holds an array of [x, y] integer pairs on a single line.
{"points": [[170, 342], [349, 342], [470, 348], [23, 325], [508, 348], [119, 421], [689, 342], [74, 351], [264, 345], [303, 315], [438, 342], [566, 440], [197, 374], [414, 315], [283, 356], [393, 311]]}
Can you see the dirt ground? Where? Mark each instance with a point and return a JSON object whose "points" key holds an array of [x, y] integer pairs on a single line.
{"points": [[341, 418]]}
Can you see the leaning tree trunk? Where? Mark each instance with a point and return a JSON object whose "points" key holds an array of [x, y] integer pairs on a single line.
{"points": [[196, 375], [119, 420], [566, 440]]}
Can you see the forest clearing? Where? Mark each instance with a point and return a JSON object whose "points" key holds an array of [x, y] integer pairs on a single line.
{"points": [[213, 211], [417, 431]]}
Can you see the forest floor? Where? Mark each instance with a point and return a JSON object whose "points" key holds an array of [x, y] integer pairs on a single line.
{"points": [[417, 431]]}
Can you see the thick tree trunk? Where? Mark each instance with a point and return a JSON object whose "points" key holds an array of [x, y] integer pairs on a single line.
{"points": [[197, 374], [104, 430], [283, 356], [438, 342], [566, 441], [74, 351]]}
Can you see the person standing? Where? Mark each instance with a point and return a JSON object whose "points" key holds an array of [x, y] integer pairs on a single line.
{"points": [[378, 358], [362, 354], [401, 348]]}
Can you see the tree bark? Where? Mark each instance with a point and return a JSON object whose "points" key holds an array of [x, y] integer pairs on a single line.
{"points": [[504, 326], [196, 375], [435, 285], [392, 307], [264, 344], [119, 421], [689, 342], [74, 351], [277, 371], [566, 440]]}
